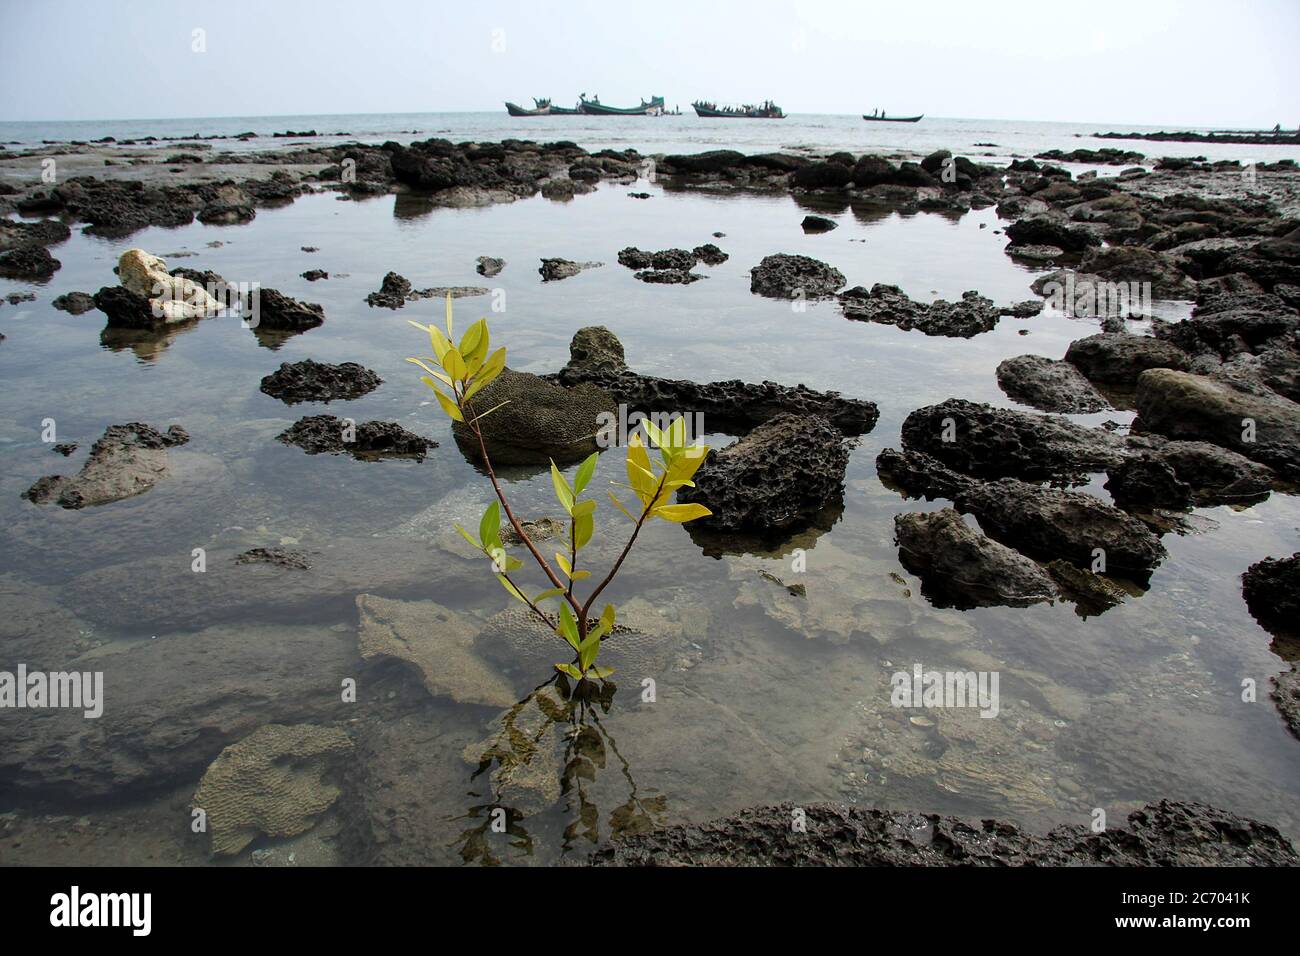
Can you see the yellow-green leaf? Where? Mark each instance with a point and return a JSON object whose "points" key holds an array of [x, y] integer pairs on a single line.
{"points": [[547, 594], [563, 562], [600, 673], [583, 528], [562, 490], [680, 513], [570, 670], [505, 583], [447, 404], [489, 526], [585, 471], [454, 363], [619, 505], [450, 333]]}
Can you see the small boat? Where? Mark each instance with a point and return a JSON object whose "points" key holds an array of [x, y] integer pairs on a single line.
{"points": [[765, 110], [564, 111], [542, 108], [882, 118], [594, 107]]}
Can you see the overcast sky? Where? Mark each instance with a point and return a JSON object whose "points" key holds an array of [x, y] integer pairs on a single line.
{"points": [[1159, 62]]}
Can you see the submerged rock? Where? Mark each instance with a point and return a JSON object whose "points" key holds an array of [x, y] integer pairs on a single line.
{"points": [[127, 460], [596, 356], [541, 420], [818, 224], [1090, 593], [1049, 385], [959, 567], [554, 269], [784, 276], [273, 783], [889, 305], [1169, 833], [1272, 591], [775, 479], [279, 557], [311, 381], [317, 434], [437, 642]]}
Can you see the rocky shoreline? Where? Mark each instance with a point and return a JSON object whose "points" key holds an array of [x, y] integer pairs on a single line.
{"points": [[1193, 231]]}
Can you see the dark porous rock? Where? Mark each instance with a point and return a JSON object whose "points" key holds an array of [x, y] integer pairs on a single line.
{"points": [[542, 420], [1136, 264], [818, 224], [15, 298], [1169, 833], [775, 479], [596, 356], [392, 292], [1229, 323], [314, 275], [784, 276], [987, 442], [317, 434], [226, 214], [488, 266], [822, 175], [28, 262], [1034, 253], [74, 303], [712, 161], [16, 234], [888, 304], [1091, 594], [1276, 368], [280, 557], [1049, 385], [1215, 475], [275, 310], [1257, 423], [127, 460], [1286, 694], [1052, 231], [959, 567], [1272, 591], [555, 269], [1116, 358], [710, 254], [559, 189], [65, 448], [1141, 482], [1026, 309], [1048, 523], [918, 475], [311, 381], [125, 309], [668, 276]]}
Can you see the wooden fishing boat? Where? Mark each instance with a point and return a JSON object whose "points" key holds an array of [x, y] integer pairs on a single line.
{"points": [[765, 110], [594, 107], [541, 108], [891, 119]]}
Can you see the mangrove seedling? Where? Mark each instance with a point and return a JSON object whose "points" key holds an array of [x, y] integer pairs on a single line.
{"points": [[457, 373]]}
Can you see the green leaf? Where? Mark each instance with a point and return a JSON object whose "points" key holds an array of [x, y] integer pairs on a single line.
{"points": [[570, 670], [600, 673], [584, 508], [511, 588], [454, 364], [562, 490], [585, 471], [588, 650], [489, 526], [580, 575], [436, 374], [563, 562], [447, 404], [677, 433], [680, 513], [607, 616], [656, 436], [436, 339], [450, 333], [548, 593], [469, 537], [483, 415], [568, 626], [583, 527]]}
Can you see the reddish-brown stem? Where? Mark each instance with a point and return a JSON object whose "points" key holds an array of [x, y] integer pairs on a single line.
{"points": [[626, 548]]}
